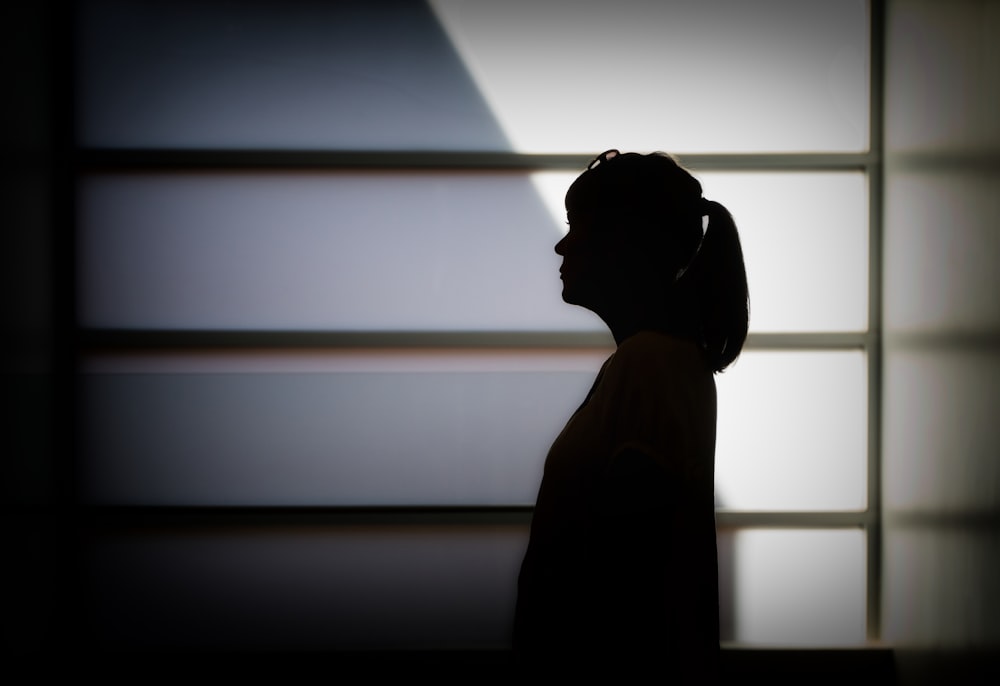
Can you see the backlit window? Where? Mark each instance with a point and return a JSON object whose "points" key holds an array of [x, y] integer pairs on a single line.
{"points": [[315, 279]]}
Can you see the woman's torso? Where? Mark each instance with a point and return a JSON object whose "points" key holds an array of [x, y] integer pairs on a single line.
{"points": [[623, 530]]}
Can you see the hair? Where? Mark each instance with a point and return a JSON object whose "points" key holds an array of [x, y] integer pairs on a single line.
{"points": [[654, 197]]}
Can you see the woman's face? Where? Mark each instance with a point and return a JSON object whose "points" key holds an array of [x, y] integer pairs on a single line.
{"points": [[594, 266]]}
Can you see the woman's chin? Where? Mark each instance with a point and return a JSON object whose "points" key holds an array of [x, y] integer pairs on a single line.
{"points": [[572, 297]]}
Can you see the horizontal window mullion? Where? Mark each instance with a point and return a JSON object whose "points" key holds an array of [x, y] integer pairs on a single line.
{"points": [[794, 520], [833, 340], [323, 160], [178, 159], [154, 516], [237, 339], [112, 517], [241, 339]]}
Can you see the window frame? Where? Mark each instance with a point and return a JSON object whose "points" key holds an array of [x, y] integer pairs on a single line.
{"points": [[869, 163]]}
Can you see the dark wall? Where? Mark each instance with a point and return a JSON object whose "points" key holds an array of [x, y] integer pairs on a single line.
{"points": [[30, 390]]}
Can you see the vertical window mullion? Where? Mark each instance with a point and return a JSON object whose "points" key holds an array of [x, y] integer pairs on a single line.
{"points": [[876, 49]]}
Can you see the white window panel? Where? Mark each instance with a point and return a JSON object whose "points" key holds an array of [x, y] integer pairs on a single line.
{"points": [[278, 588], [425, 251], [525, 76], [940, 225], [410, 586], [939, 426], [350, 428], [798, 587], [350, 74], [684, 75], [792, 432], [321, 251], [358, 428], [805, 242]]}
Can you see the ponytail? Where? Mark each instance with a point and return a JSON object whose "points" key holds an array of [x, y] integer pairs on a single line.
{"points": [[713, 288]]}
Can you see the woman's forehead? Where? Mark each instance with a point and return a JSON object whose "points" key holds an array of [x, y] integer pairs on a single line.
{"points": [[584, 196]]}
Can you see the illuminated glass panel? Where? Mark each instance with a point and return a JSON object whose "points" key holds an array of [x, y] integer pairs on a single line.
{"points": [[425, 251], [352, 428], [683, 75], [321, 251], [939, 424], [792, 431], [799, 587], [524, 76], [940, 251], [437, 427], [281, 588], [805, 242], [410, 586], [350, 74]]}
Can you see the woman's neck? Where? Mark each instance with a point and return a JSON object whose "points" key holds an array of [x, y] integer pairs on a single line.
{"points": [[626, 322]]}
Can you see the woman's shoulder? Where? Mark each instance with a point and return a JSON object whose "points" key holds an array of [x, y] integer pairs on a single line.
{"points": [[662, 396]]}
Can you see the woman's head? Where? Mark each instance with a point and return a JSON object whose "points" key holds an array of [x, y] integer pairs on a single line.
{"points": [[638, 237]]}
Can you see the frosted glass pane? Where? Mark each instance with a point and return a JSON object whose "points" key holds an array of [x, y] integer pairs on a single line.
{"points": [[684, 75], [805, 242], [681, 75], [799, 588], [428, 587], [941, 248], [792, 432], [362, 427], [343, 429], [321, 251], [350, 74], [940, 588], [939, 428], [407, 587], [441, 251]]}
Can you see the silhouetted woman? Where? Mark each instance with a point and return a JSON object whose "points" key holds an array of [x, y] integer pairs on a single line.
{"points": [[620, 575]]}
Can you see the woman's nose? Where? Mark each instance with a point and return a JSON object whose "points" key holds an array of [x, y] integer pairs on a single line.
{"points": [[561, 245]]}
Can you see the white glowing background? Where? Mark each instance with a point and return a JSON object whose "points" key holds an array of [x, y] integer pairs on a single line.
{"points": [[686, 75], [327, 251], [800, 587], [793, 432], [525, 76], [434, 427], [805, 242], [450, 251]]}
